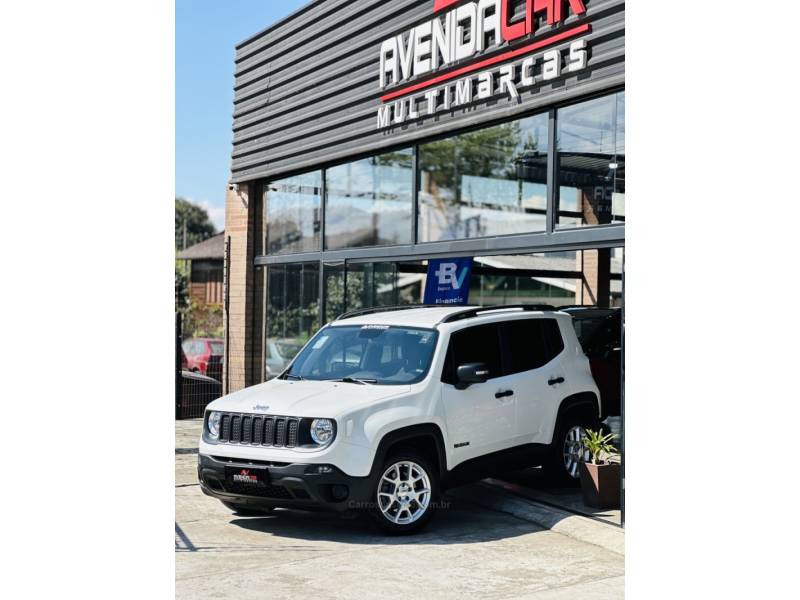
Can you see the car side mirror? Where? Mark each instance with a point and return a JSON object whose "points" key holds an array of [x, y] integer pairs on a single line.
{"points": [[470, 373]]}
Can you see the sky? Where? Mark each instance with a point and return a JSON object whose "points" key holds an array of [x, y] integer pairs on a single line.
{"points": [[206, 33]]}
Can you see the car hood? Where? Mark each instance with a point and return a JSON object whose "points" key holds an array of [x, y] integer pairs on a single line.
{"points": [[306, 398]]}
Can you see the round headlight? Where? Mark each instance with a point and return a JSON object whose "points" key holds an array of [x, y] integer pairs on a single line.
{"points": [[321, 431], [213, 424]]}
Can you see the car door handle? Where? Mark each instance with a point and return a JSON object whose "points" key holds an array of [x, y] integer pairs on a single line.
{"points": [[504, 394], [555, 380]]}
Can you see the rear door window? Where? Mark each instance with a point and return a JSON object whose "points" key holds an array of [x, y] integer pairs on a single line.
{"points": [[524, 345], [530, 344], [552, 336]]}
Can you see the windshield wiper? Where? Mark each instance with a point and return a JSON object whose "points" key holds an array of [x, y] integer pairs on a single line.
{"points": [[293, 376], [354, 380]]}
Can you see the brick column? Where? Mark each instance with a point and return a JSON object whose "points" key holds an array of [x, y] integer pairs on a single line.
{"points": [[244, 283], [595, 265], [596, 204], [595, 286]]}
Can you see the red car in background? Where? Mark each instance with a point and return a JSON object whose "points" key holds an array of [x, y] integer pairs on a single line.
{"points": [[204, 355]]}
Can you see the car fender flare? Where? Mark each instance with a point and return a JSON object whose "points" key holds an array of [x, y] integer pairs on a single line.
{"points": [[389, 439], [580, 400]]}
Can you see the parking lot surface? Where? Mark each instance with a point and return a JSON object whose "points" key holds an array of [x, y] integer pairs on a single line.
{"points": [[468, 550]]}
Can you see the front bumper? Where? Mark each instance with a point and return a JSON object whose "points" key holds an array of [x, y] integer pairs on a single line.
{"points": [[291, 485]]}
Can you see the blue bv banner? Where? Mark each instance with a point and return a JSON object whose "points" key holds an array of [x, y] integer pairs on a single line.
{"points": [[448, 281]]}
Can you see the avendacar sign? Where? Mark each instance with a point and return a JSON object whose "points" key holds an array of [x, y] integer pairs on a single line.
{"points": [[472, 35]]}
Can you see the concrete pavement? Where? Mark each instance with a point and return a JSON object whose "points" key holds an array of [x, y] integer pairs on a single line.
{"points": [[484, 544]]}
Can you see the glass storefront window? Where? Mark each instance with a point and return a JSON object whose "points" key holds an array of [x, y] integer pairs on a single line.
{"points": [[292, 312], [591, 162], [292, 216], [369, 201], [334, 282], [587, 283], [547, 278], [485, 183], [364, 285]]}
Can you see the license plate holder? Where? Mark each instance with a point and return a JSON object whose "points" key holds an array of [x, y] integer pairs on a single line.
{"points": [[247, 476]]}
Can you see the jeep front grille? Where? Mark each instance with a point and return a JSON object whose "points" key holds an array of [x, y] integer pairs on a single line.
{"points": [[259, 430]]}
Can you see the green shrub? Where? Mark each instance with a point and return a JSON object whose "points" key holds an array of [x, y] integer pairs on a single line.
{"points": [[598, 444]]}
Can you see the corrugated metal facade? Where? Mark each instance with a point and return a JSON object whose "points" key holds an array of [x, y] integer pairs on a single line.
{"points": [[307, 89]]}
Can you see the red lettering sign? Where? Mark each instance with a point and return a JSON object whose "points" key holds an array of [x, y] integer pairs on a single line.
{"points": [[442, 4]]}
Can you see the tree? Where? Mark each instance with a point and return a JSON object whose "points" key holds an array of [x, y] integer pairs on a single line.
{"points": [[192, 225], [181, 287], [194, 221], [487, 153]]}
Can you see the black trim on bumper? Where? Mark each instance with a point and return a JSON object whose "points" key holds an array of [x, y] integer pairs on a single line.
{"points": [[291, 485]]}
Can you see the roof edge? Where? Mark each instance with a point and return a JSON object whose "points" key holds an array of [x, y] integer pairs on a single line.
{"points": [[291, 16]]}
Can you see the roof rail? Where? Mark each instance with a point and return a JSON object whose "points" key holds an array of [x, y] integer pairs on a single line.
{"points": [[577, 306], [592, 306], [378, 309], [474, 312]]}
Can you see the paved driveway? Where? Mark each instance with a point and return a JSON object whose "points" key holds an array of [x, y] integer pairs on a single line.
{"points": [[467, 551]]}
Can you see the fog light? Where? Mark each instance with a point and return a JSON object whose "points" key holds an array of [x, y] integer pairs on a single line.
{"points": [[317, 469], [339, 492]]}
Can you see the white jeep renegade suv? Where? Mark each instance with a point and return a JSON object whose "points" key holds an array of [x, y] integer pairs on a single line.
{"points": [[384, 408]]}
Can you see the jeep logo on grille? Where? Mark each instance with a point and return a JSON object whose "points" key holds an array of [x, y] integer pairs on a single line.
{"points": [[261, 407]]}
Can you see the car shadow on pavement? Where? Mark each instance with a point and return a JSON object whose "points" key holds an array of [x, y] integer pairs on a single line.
{"points": [[456, 521]]}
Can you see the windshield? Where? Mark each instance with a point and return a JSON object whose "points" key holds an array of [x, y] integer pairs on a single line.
{"points": [[368, 354]]}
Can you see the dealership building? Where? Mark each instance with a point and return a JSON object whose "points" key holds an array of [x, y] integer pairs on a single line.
{"points": [[374, 138]]}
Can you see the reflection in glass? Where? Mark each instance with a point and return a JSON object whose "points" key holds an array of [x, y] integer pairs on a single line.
{"points": [[292, 312], [334, 290], [550, 278], [485, 183], [369, 201], [372, 284], [591, 162], [292, 216]]}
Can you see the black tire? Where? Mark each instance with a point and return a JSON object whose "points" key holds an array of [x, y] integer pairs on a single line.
{"points": [[246, 511], [556, 466], [381, 518]]}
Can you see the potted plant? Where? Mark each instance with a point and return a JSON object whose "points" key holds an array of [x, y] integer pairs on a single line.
{"points": [[600, 479]]}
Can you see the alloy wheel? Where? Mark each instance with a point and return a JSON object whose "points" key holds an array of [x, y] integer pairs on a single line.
{"points": [[574, 450], [404, 492]]}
